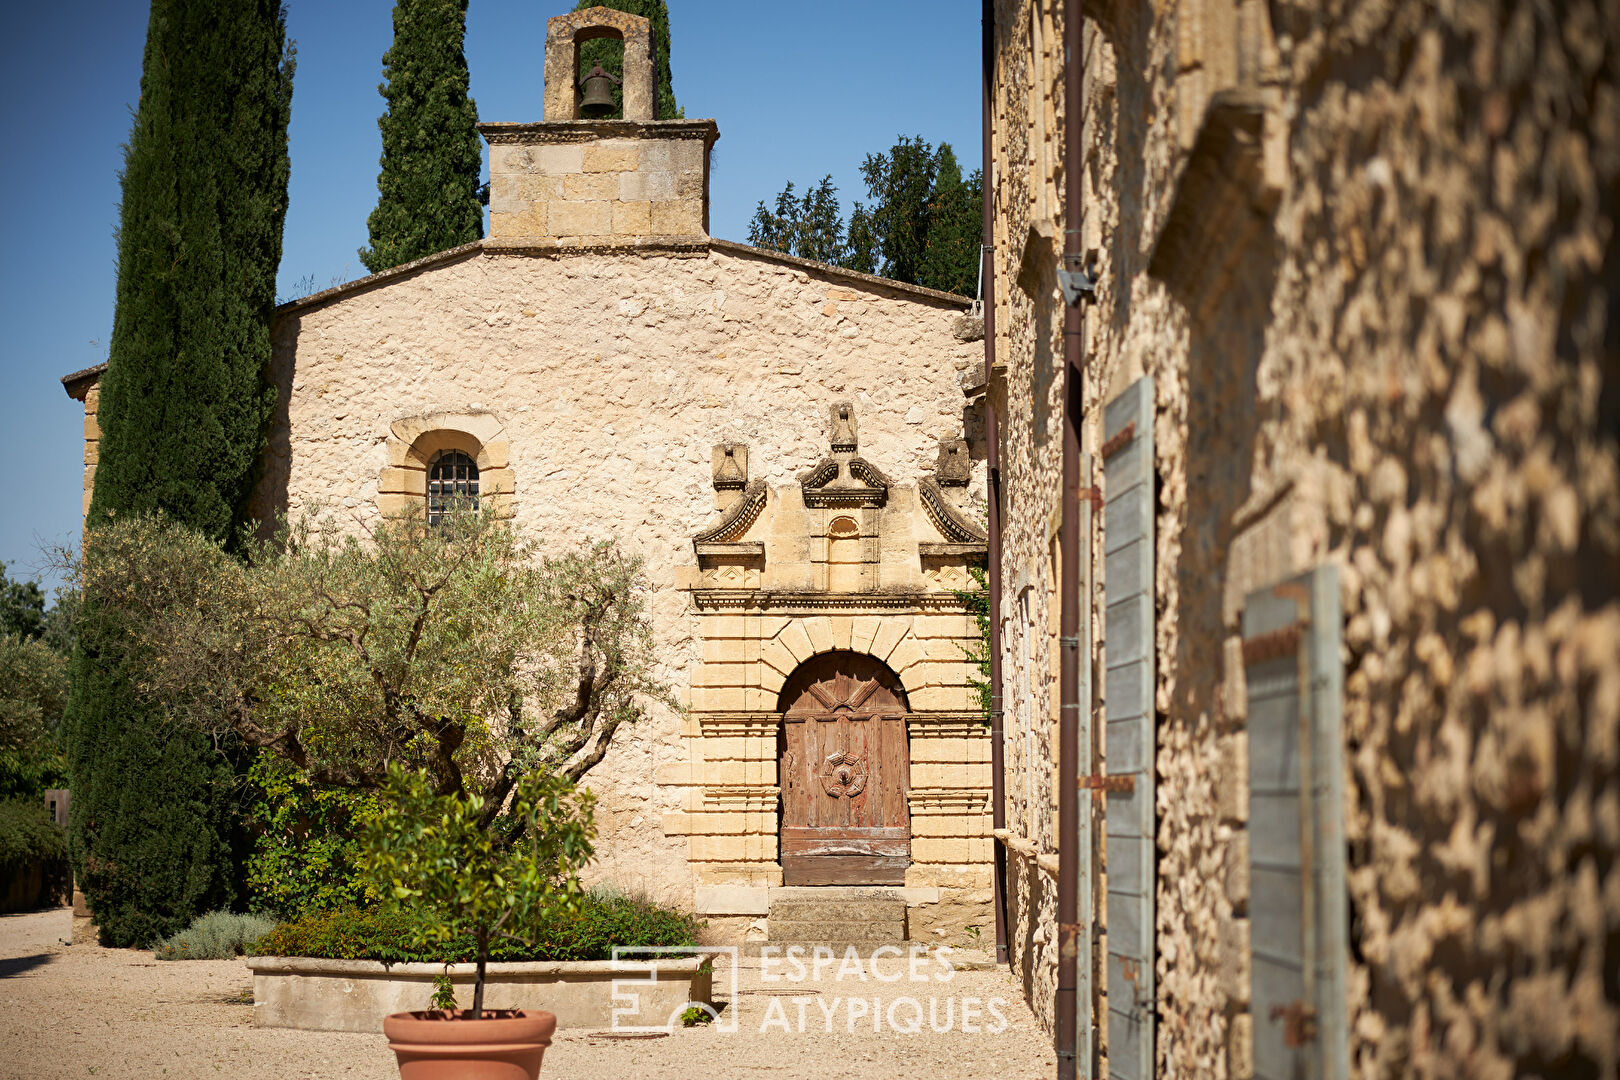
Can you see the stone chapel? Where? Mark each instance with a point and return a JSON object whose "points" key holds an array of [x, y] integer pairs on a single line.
{"points": [[785, 443]]}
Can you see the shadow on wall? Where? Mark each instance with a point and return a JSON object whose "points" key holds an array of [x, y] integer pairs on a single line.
{"points": [[1133, 96], [275, 463], [1227, 338]]}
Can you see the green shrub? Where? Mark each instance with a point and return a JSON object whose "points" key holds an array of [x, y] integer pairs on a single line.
{"points": [[218, 935], [27, 834], [603, 921], [33, 855], [305, 851], [33, 688]]}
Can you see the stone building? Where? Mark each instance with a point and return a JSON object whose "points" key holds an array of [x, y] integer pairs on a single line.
{"points": [[1346, 391], [786, 443]]}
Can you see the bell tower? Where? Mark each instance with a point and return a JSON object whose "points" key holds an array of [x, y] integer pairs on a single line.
{"points": [[572, 183]]}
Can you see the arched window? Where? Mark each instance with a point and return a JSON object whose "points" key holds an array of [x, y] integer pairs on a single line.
{"points": [[452, 485]]}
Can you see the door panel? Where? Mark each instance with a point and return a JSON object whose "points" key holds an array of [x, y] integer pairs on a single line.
{"points": [[845, 774]]}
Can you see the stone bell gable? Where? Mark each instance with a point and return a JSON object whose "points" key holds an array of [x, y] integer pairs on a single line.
{"points": [[575, 183]]}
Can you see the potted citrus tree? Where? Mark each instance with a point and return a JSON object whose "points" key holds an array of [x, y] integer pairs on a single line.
{"points": [[435, 857]]}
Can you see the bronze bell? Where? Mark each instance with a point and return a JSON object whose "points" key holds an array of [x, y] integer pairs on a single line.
{"points": [[598, 99]]}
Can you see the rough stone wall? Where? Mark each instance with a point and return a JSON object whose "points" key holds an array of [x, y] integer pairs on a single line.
{"points": [[1390, 342], [611, 379], [1027, 394], [92, 441], [1443, 376]]}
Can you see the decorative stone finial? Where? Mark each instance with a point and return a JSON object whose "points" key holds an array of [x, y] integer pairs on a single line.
{"points": [[844, 435], [955, 466], [730, 467]]}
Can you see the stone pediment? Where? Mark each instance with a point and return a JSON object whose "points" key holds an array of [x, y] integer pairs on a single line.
{"points": [[849, 534], [956, 527], [844, 480], [735, 521]]}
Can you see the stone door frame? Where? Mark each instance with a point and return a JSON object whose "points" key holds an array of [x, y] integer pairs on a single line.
{"points": [[728, 783]]}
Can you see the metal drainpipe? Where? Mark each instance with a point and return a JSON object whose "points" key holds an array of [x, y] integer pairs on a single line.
{"points": [[1070, 939], [992, 437]]}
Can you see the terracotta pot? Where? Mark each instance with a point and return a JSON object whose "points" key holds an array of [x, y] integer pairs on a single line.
{"points": [[435, 1045]]}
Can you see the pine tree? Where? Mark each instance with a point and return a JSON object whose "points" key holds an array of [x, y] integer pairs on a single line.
{"points": [[955, 228], [427, 191], [808, 227], [609, 52], [184, 408], [922, 226], [821, 234], [900, 184], [861, 243]]}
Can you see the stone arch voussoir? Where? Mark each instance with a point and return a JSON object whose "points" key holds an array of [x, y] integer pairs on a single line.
{"points": [[886, 638], [414, 442]]}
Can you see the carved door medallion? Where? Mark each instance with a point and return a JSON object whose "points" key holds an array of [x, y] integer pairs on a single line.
{"points": [[845, 773]]}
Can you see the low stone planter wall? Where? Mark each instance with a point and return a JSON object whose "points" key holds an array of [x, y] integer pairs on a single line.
{"points": [[355, 995]]}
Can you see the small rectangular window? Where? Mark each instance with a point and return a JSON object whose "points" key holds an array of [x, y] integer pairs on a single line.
{"points": [[452, 485]]}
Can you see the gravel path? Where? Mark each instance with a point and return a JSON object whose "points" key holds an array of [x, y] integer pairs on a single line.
{"points": [[78, 1010]]}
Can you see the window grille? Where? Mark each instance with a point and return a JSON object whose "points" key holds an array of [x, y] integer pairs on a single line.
{"points": [[452, 485]]}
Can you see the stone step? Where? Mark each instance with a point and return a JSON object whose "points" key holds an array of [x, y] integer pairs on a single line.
{"points": [[840, 893], [796, 931], [838, 911], [863, 949]]}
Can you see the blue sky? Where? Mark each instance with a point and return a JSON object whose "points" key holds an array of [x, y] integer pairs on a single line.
{"points": [[799, 90]]}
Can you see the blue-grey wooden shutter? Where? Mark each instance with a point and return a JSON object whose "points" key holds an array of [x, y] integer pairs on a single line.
{"points": [[1299, 934], [1128, 473]]}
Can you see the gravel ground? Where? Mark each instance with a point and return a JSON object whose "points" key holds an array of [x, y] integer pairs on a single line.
{"points": [[77, 1010]]}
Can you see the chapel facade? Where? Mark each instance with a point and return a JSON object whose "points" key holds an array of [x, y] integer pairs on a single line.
{"points": [[785, 443]]}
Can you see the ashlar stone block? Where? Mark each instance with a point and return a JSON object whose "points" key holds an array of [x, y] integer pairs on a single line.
{"points": [[580, 218], [559, 160], [589, 186], [908, 652], [863, 628], [889, 634], [718, 699], [611, 159], [1232, 794], [796, 639], [778, 656], [683, 217], [632, 218], [819, 628], [843, 627]]}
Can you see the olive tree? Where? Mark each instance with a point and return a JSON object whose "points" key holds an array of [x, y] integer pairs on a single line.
{"points": [[461, 649]]}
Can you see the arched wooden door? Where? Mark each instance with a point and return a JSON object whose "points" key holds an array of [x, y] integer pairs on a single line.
{"points": [[845, 774]]}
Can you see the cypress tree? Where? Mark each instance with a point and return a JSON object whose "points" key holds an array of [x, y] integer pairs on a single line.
{"points": [[184, 409], [427, 191], [609, 52]]}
